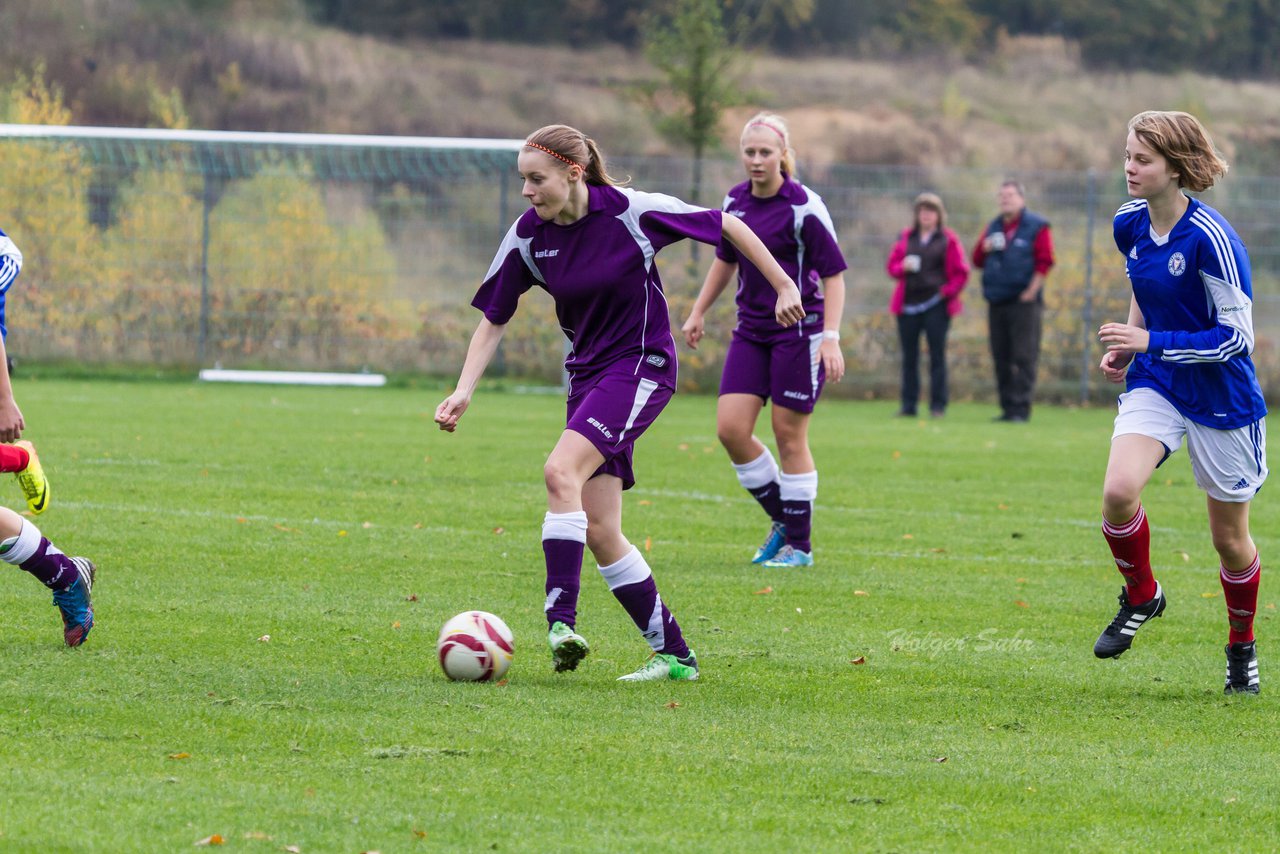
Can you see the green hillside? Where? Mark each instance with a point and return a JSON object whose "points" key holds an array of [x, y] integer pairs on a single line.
{"points": [[1027, 102]]}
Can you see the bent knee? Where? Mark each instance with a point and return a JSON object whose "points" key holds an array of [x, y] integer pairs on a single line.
{"points": [[1120, 498], [559, 479]]}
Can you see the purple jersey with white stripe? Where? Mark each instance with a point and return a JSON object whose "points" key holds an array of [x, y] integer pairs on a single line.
{"points": [[600, 271], [796, 228]]}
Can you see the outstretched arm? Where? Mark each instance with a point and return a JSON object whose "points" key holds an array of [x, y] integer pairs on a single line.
{"points": [[484, 343], [789, 310]]}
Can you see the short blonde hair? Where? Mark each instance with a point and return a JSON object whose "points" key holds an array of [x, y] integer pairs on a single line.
{"points": [[778, 125], [1180, 139]]}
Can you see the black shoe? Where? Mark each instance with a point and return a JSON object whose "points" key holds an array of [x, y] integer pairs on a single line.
{"points": [[906, 413], [1242, 668], [937, 413], [1118, 636]]}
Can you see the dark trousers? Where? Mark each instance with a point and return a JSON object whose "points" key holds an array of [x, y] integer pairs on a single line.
{"points": [[1015, 349], [934, 323]]}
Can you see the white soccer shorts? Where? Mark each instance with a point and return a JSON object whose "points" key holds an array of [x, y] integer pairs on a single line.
{"points": [[1229, 465]]}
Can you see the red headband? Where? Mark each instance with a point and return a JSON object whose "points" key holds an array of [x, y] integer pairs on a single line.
{"points": [[770, 127], [557, 155]]}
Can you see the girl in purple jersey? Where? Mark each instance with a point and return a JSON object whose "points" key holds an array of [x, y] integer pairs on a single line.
{"points": [[591, 245], [766, 361], [1185, 349]]}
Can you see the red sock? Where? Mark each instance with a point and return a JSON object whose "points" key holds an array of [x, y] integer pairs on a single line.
{"points": [[1240, 589], [1131, 546], [13, 458]]}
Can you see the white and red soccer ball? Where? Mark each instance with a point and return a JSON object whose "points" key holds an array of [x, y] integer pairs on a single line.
{"points": [[475, 646]]}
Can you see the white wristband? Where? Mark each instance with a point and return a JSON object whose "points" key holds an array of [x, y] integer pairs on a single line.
{"points": [[831, 334]]}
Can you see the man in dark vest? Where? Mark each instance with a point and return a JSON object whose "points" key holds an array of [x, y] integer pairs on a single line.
{"points": [[1015, 254]]}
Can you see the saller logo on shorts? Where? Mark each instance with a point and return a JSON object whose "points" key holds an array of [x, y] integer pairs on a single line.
{"points": [[657, 361], [603, 429], [796, 395]]}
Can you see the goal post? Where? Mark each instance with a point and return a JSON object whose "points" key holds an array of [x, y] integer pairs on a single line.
{"points": [[256, 250]]}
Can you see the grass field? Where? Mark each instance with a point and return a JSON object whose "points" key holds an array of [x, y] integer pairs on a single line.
{"points": [[960, 561]]}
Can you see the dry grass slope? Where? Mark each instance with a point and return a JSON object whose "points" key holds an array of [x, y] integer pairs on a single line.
{"points": [[1030, 104]]}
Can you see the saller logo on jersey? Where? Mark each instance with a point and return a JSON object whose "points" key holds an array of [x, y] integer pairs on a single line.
{"points": [[546, 253], [657, 361]]}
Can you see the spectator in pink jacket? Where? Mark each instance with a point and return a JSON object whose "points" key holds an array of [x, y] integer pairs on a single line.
{"points": [[930, 266]]}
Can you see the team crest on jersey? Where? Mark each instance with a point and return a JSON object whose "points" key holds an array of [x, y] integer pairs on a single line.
{"points": [[1177, 264]]}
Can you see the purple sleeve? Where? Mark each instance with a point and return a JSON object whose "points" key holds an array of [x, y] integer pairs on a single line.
{"points": [[509, 276], [726, 251], [665, 219], [821, 249]]}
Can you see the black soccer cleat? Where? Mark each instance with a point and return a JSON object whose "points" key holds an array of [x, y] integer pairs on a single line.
{"points": [[1242, 668], [1118, 636]]}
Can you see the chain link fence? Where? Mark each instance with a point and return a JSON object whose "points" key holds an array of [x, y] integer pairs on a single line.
{"points": [[311, 252]]}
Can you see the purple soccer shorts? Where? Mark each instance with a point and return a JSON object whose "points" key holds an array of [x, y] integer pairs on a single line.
{"points": [[786, 370], [612, 411]]}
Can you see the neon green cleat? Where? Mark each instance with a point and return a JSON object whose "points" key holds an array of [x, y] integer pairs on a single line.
{"points": [[664, 666], [567, 646], [35, 486]]}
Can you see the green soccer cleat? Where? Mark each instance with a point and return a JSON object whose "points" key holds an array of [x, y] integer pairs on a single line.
{"points": [[567, 646], [664, 666], [35, 486]]}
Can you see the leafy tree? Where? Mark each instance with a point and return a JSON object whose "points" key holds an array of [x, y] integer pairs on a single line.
{"points": [[46, 188], [699, 64]]}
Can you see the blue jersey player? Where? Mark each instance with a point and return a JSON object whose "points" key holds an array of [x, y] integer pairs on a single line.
{"points": [[1185, 349]]}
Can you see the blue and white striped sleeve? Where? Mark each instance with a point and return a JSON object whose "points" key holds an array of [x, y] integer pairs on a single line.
{"points": [[10, 262], [1224, 272]]}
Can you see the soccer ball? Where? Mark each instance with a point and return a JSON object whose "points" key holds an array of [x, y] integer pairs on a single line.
{"points": [[475, 646]]}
